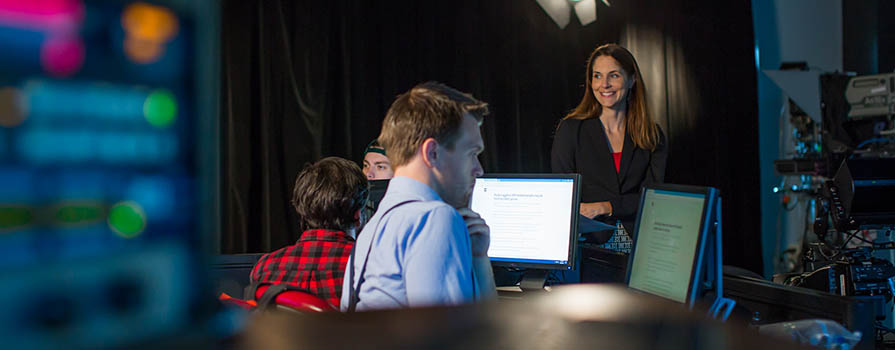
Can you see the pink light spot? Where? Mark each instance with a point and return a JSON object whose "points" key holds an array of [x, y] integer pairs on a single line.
{"points": [[62, 56], [43, 15], [40, 6]]}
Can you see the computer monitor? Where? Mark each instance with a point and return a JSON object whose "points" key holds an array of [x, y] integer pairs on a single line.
{"points": [[675, 245], [533, 218]]}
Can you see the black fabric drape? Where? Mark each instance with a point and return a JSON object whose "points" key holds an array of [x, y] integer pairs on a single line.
{"points": [[698, 60], [307, 79]]}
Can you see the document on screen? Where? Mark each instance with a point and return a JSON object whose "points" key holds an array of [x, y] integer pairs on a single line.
{"points": [[666, 246], [530, 219]]}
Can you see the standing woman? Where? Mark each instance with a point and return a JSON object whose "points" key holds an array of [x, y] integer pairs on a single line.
{"points": [[613, 142]]}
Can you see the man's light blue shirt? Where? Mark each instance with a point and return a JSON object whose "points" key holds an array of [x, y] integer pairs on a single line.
{"points": [[421, 252]]}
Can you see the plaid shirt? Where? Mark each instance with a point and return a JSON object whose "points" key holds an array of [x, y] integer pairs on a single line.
{"points": [[316, 263]]}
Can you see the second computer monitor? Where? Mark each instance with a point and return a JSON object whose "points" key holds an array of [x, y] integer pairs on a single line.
{"points": [[674, 223], [533, 218]]}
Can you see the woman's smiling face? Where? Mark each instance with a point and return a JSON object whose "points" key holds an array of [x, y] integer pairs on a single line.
{"points": [[610, 83]]}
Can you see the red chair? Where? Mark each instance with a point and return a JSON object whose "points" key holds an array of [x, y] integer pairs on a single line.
{"points": [[289, 297], [227, 300]]}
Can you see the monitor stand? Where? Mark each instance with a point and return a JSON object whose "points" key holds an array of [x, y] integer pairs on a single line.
{"points": [[533, 280]]}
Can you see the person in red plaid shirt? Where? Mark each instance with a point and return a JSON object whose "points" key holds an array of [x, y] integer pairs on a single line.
{"points": [[328, 197]]}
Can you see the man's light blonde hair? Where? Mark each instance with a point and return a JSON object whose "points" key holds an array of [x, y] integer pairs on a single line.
{"points": [[428, 110]]}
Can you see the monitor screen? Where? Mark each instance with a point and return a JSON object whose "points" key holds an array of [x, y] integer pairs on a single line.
{"points": [[533, 218], [669, 240]]}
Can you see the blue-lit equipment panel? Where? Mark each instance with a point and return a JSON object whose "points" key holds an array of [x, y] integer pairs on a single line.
{"points": [[102, 169]]}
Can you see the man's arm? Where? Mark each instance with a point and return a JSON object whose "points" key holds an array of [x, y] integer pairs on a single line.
{"points": [[484, 278], [480, 240], [438, 267]]}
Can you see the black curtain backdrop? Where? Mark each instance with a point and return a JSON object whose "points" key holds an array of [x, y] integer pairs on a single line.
{"points": [[308, 79]]}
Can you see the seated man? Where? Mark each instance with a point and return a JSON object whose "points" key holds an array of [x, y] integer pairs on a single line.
{"points": [[417, 250], [376, 163], [327, 196]]}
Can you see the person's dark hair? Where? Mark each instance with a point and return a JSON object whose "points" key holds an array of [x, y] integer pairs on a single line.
{"points": [[428, 110], [638, 123], [328, 194]]}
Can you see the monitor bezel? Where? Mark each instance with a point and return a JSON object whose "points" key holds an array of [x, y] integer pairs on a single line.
{"points": [[710, 197], [573, 219]]}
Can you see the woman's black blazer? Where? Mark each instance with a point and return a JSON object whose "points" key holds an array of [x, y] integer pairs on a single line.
{"points": [[581, 146]]}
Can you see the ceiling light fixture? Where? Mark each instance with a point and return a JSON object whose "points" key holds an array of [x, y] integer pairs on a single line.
{"points": [[561, 10]]}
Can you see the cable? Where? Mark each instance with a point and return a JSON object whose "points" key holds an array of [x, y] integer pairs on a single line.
{"points": [[874, 245], [862, 239], [852, 235], [873, 140], [820, 249], [880, 326]]}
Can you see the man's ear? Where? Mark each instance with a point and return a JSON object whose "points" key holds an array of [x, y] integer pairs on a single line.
{"points": [[430, 152]]}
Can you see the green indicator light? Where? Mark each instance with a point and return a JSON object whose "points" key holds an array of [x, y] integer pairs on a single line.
{"points": [[127, 219], [160, 108], [15, 217], [78, 214]]}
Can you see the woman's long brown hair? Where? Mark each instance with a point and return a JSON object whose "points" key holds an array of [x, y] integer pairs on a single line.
{"points": [[638, 123]]}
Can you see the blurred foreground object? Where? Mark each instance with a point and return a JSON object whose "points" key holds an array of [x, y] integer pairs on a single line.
{"points": [[109, 167], [818, 333], [569, 317]]}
